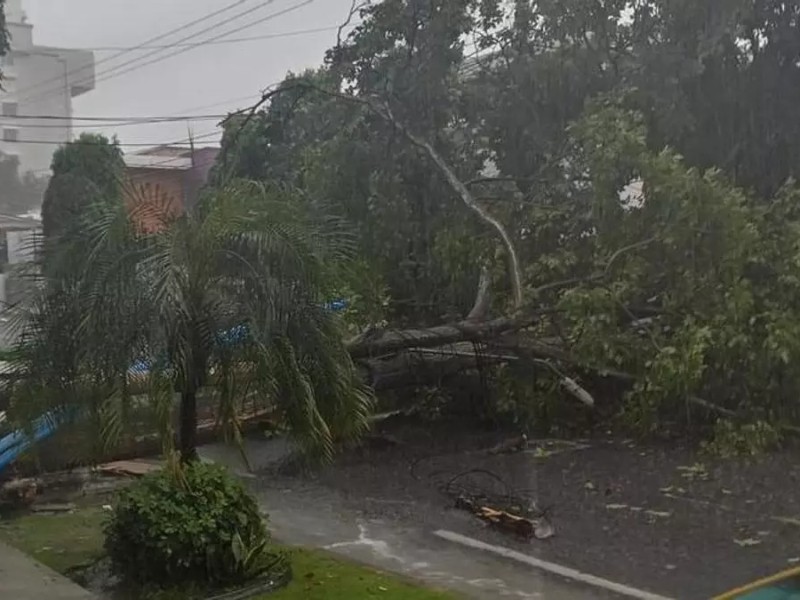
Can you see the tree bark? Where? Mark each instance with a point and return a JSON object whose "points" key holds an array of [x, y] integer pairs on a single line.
{"points": [[387, 342], [469, 200], [188, 426]]}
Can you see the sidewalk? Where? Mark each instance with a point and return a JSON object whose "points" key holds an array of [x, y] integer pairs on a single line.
{"points": [[22, 578]]}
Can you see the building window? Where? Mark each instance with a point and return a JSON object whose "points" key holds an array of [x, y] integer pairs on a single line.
{"points": [[10, 135], [10, 109]]}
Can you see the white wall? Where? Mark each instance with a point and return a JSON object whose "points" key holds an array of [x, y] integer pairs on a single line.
{"points": [[21, 246], [42, 81]]}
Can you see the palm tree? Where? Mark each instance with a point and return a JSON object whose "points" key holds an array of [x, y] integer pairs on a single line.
{"points": [[229, 298]]}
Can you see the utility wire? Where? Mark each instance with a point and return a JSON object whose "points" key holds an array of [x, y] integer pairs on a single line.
{"points": [[136, 64], [269, 36], [142, 118], [157, 38], [269, 17], [123, 145], [179, 142], [106, 124]]}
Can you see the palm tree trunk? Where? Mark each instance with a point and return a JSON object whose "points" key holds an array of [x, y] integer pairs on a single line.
{"points": [[188, 431]]}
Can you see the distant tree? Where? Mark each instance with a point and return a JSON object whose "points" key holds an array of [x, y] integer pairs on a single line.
{"points": [[86, 171], [87, 175], [4, 41], [19, 193]]}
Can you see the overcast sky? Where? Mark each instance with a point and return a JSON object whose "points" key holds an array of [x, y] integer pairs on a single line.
{"points": [[188, 83]]}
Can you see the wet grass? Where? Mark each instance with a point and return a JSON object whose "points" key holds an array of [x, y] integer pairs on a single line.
{"points": [[68, 541], [320, 576], [61, 541]]}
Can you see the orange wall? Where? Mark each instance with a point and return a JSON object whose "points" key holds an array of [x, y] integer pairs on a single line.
{"points": [[154, 196]]}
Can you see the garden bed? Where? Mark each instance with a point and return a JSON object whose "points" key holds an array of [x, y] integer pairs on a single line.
{"points": [[72, 544]]}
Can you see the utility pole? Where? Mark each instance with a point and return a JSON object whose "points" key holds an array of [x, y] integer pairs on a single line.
{"points": [[67, 98]]}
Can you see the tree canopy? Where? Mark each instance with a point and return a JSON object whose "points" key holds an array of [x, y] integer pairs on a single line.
{"points": [[227, 301], [634, 161], [613, 182], [85, 172], [5, 44]]}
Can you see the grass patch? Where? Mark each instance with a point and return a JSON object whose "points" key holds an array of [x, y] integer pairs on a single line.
{"points": [[320, 576], [69, 540], [60, 541]]}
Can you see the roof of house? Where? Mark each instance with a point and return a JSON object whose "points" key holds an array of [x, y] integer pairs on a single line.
{"points": [[19, 223], [175, 158]]}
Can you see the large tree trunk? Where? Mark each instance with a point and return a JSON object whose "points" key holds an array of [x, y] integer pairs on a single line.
{"points": [[188, 426], [376, 343]]}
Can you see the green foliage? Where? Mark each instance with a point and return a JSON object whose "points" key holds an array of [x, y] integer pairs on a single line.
{"points": [[628, 149], [677, 291], [5, 43], [431, 402], [532, 400], [86, 171], [742, 440], [356, 165], [253, 258], [519, 402], [366, 293], [321, 576], [63, 541], [201, 528]]}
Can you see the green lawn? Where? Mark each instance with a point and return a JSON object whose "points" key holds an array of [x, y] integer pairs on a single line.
{"points": [[319, 576], [65, 541], [60, 541]]}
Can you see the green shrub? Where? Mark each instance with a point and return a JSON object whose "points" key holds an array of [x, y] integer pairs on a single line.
{"points": [[742, 440], [202, 527]]}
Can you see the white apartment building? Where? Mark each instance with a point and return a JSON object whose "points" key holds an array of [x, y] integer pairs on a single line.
{"points": [[38, 81]]}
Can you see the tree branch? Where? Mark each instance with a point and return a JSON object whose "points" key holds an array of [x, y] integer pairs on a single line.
{"points": [[447, 171], [483, 299], [469, 200], [355, 6], [597, 276], [385, 342]]}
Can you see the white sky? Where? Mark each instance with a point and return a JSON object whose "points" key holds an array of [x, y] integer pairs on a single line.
{"points": [[190, 81]]}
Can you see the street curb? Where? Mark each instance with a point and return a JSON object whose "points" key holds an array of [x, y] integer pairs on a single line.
{"points": [[553, 568]]}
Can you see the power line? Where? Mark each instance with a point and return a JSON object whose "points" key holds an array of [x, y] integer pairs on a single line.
{"points": [[123, 145], [123, 121], [269, 36], [180, 142], [157, 38], [132, 118], [192, 46], [224, 102], [105, 123], [136, 64]]}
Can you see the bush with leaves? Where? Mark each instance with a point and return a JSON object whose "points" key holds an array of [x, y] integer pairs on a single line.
{"points": [[685, 282], [742, 440], [199, 526]]}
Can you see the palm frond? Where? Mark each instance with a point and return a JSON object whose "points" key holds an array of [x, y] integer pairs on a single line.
{"points": [[148, 284]]}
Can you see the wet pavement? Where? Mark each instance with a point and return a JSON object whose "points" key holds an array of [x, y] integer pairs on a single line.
{"points": [[311, 517], [306, 514], [23, 578]]}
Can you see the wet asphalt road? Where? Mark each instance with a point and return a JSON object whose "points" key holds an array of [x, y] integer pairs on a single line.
{"points": [[307, 514]]}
